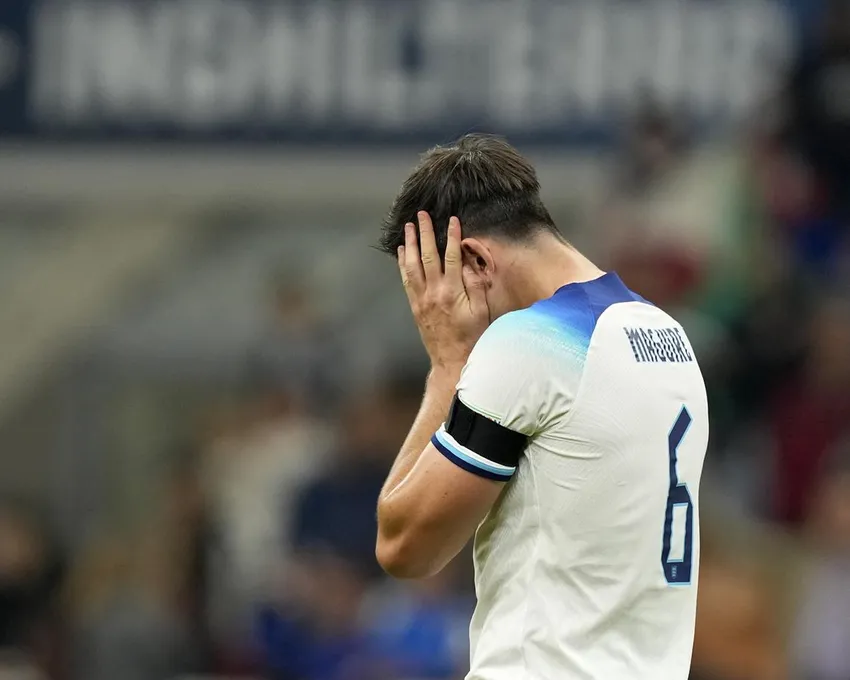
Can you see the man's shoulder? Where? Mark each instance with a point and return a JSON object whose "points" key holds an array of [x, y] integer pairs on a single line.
{"points": [[532, 334], [529, 357], [564, 322], [556, 318]]}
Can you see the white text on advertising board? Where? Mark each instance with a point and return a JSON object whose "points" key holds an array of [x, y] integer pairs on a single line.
{"points": [[382, 65]]}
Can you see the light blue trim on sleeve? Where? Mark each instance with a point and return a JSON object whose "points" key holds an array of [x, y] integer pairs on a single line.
{"points": [[466, 458]]}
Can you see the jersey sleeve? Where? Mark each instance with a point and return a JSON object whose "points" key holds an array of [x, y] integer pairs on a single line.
{"points": [[520, 378]]}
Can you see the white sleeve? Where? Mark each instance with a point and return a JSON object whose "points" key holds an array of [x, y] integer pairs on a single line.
{"points": [[520, 375]]}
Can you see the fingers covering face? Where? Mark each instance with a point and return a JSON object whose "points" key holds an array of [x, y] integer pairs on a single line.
{"points": [[419, 258], [428, 244], [411, 263], [453, 250]]}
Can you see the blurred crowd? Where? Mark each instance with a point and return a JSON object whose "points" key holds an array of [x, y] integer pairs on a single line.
{"points": [[258, 559], [749, 245]]}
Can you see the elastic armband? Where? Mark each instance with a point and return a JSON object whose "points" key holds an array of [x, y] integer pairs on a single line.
{"points": [[478, 444]]}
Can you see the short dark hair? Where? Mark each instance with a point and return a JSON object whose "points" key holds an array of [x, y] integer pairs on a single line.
{"points": [[480, 179]]}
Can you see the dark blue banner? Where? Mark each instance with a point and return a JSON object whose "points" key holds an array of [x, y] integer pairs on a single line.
{"points": [[378, 71]]}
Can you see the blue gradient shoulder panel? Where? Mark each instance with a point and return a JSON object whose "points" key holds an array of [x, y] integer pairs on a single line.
{"points": [[572, 312]]}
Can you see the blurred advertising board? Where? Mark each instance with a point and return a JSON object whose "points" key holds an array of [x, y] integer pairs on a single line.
{"points": [[353, 72]]}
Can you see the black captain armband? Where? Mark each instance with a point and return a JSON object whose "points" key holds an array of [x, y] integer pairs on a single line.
{"points": [[478, 444]]}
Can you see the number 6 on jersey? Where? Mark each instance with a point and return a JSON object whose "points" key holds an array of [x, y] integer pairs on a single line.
{"points": [[677, 568]]}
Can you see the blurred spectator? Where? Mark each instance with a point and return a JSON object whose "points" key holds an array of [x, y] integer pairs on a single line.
{"points": [[661, 225], [191, 535], [767, 344], [327, 626], [737, 634], [788, 378], [819, 102], [822, 631], [804, 233], [314, 632], [812, 168], [274, 442], [252, 474], [654, 147], [337, 510], [296, 344], [31, 578], [811, 413], [421, 629], [134, 636], [141, 599]]}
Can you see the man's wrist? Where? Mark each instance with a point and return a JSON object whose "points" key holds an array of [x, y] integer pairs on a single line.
{"points": [[445, 376]]}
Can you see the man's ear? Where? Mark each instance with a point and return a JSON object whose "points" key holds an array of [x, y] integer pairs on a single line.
{"points": [[477, 255]]}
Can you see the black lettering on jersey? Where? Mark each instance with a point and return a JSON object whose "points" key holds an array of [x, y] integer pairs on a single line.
{"points": [[654, 345], [683, 346], [637, 344], [669, 348], [657, 345], [650, 346]]}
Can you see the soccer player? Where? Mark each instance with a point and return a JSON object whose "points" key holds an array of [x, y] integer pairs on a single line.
{"points": [[564, 423]]}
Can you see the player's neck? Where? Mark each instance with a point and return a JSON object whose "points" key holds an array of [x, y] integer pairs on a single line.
{"points": [[542, 270]]}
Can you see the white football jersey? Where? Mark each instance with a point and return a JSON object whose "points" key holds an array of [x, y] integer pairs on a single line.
{"points": [[586, 567]]}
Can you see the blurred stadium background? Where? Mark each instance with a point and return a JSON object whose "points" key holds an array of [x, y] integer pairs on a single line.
{"points": [[206, 371]]}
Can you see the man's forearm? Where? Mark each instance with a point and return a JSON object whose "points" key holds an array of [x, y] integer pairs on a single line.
{"points": [[429, 507], [439, 391]]}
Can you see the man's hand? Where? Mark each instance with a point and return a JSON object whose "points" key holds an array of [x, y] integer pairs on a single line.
{"points": [[429, 508], [448, 303]]}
